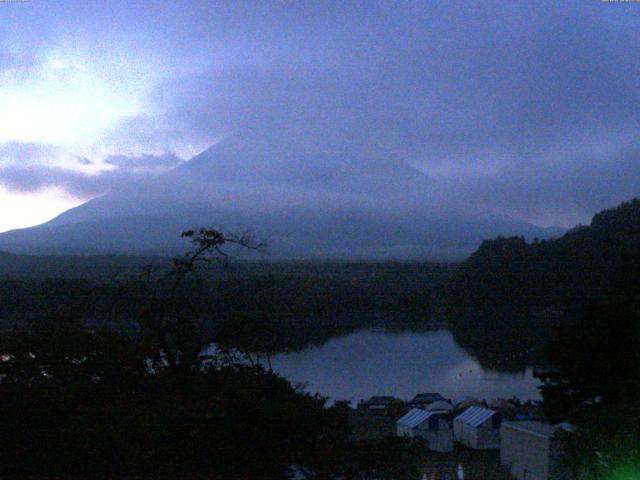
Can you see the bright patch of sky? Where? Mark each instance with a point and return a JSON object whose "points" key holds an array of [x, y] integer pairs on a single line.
{"points": [[25, 209], [525, 108], [69, 98]]}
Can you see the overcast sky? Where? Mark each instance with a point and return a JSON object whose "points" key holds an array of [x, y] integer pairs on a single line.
{"points": [[527, 109]]}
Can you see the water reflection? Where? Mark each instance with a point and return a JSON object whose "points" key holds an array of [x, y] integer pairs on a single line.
{"points": [[367, 363]]}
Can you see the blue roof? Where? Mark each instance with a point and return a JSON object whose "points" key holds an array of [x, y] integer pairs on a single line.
{"points": [[475, 416], [415, 417]]}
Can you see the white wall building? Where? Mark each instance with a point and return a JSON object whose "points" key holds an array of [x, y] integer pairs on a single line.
{"points": [[531, 450], [478, 428], [434, 427]]}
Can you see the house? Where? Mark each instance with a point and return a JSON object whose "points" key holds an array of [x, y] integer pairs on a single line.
{"points": [[434, 427], [531, 450], [461, 404], [478, 428], [440, 406], [421, 400], [382, 405]]}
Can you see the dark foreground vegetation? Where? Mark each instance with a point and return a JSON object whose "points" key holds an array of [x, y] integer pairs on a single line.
{"points": [[505, 301], [568, 270], [97, 404], [593, 380], [575, 302], [148, 403], [104, 373], [507, 290], [304, 303]]}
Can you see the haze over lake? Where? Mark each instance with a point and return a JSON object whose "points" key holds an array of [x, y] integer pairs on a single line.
{"points": [[366, 363]]}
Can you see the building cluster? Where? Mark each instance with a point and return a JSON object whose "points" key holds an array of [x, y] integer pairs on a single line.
{"points": [[529, 449]]}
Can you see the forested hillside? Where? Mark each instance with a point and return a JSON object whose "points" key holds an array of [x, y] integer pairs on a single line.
{"points": [[564, 271], [303, 302], [510, 295], [509, 288]]}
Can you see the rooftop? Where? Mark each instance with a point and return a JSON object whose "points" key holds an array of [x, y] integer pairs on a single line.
{"points": [[379, 400], [475, 416], [415, 417], [427, 397], [539, 429]]}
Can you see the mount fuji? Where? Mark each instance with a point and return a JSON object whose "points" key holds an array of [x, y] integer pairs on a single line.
{"points": [[304, 205]]}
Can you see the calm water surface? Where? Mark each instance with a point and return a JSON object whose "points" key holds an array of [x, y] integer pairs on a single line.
{"points": [[368, 363]]}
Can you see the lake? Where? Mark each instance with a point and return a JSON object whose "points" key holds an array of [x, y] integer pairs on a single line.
{"points": [[367, 363]]}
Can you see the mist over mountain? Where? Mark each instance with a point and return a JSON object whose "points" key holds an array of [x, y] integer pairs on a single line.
{"points": [[304, 204]]}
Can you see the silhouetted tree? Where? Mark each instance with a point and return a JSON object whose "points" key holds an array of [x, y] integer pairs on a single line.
{"points": [[252, 337], [146, 403], [594, 382]]}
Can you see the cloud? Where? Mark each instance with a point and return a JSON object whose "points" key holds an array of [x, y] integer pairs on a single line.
{"points": [[560, 192], [529, 109], [80, 185], [27, 153], [507, 104], [492, 83], [84, 161], [29, 167], [144, 163], [6, 59]]}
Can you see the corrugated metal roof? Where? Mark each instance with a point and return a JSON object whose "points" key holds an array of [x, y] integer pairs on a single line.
{"points": [[415, 417], [475, 416]]}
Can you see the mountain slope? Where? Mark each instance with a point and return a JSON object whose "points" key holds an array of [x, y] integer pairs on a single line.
{"points": [[579, 267], [304, 205]]}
